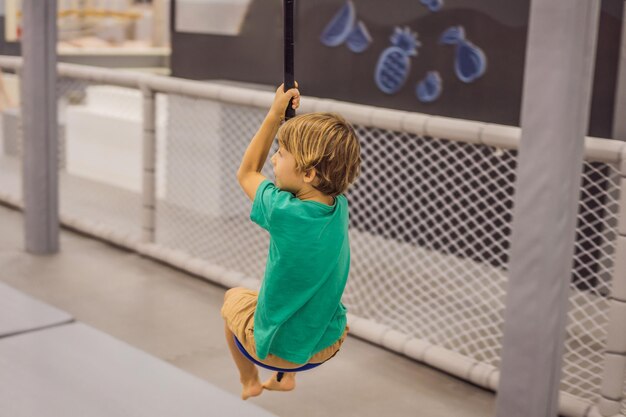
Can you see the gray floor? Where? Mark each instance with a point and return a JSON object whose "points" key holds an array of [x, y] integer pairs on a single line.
{"points": [[175, 317], [20, 313], [76, 370]]}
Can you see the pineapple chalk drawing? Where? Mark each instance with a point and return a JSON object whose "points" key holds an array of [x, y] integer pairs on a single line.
{"points": [[429, 89], [340, 27], [394, 63], [433, 5], [359, 39], [470, 62]]}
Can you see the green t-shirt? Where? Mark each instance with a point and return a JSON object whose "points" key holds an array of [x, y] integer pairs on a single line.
{"points": [[299, 311]]}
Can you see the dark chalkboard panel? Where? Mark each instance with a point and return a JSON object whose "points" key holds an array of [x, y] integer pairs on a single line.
{"points": [[497, 28]]}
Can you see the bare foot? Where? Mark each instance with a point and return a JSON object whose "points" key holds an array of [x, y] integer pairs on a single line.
{"points": [[251, 389], [288, 382]]}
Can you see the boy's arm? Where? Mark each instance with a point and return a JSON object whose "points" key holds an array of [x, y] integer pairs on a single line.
{"points": [[249, 173]]}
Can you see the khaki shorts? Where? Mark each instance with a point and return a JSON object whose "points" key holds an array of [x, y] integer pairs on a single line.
{"points": [[238, 312]]}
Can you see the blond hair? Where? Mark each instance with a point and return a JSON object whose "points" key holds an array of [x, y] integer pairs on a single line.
{"points": [[327, 143]]}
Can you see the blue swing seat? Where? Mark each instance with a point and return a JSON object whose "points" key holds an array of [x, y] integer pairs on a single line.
{"points": [[280, 371]]}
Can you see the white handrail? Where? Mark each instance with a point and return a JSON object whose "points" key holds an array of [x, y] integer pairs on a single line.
{"points": [[459, 130]]}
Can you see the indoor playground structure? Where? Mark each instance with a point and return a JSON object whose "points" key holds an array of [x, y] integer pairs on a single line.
{"points": [[147, 163]]}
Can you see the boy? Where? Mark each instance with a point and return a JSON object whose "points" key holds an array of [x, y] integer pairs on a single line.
{"points": [[297, 316]]}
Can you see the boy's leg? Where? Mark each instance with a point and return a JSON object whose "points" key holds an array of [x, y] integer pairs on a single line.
{"points": [[287, 383], [249, 375]]}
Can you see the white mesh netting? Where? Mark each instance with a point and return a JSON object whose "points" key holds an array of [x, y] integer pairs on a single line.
{"points": [[429, 222], [101, 177], [430, 236], [203, 211]]}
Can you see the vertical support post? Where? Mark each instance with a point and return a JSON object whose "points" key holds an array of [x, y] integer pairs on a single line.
{"points": [[39, 118], [618, 132], [19, 141], [612, 390], [149, 165], [556, 99], [619, 121]]}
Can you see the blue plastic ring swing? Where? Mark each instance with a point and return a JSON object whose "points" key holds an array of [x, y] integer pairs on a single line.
{"points": [[273, 368]]}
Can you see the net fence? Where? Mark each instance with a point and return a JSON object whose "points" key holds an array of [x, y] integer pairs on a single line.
{"points": [[430, 223], [430, 217], [203, 211], [100, 177], [430, 230], [10, 150]]}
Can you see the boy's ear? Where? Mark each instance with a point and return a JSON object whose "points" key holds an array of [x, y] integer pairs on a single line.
{"points": [[309, 175]]}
